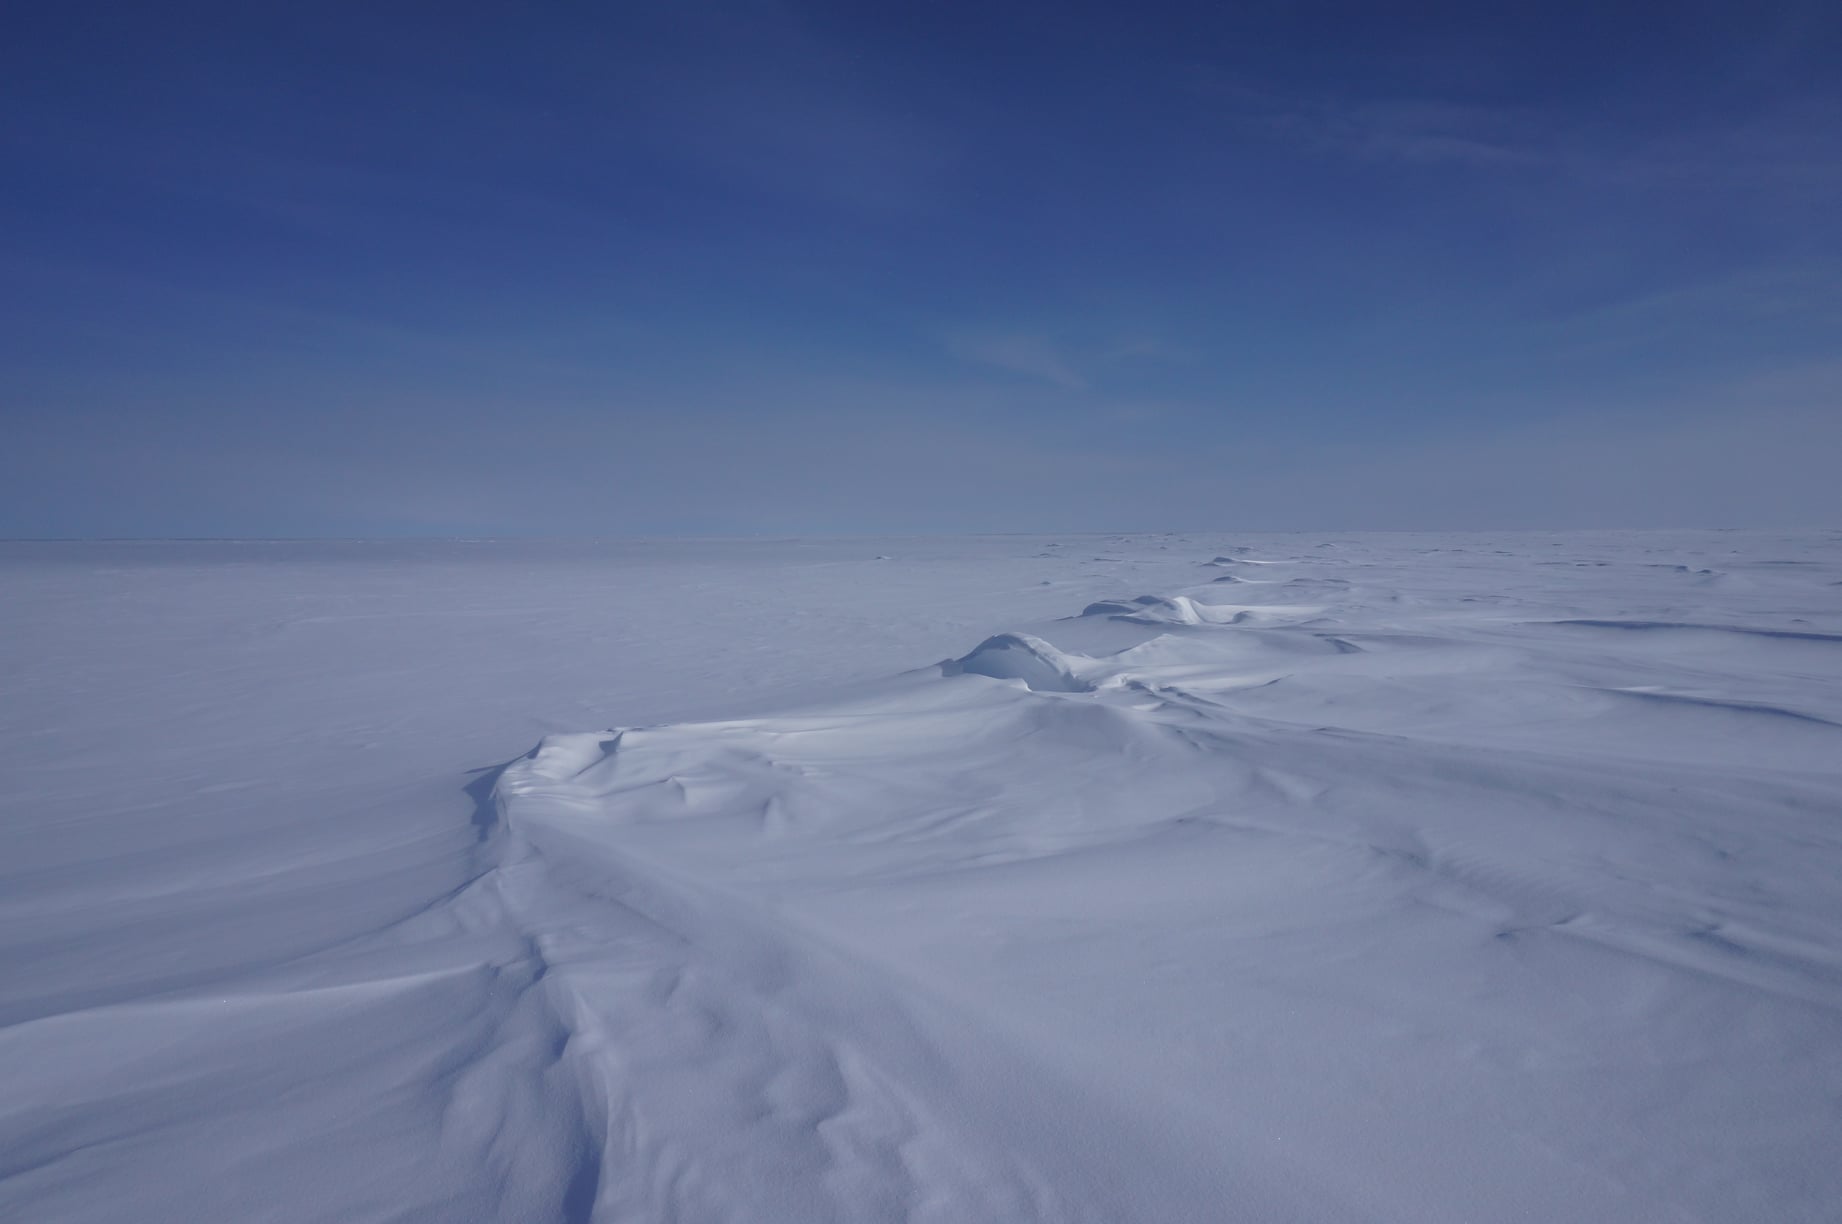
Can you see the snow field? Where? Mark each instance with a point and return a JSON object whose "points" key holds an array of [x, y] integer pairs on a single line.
{"points": [[1398, 906], [1404, 878]]}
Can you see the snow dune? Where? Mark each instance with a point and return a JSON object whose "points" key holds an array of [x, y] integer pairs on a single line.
{"points": [[1402, 879]]}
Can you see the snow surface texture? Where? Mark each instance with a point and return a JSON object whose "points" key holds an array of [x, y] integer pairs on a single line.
{"points": [[1395, 878]]}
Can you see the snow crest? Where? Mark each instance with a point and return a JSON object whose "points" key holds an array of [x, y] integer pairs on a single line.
{"points": [[1433, 878], [1396, 866]]}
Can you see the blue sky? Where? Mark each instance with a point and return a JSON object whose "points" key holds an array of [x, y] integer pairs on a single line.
{"points": [[770, 268]]}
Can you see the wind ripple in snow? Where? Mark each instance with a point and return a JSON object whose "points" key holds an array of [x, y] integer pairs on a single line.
{"points": [[1435, 878], [1369, 909]]}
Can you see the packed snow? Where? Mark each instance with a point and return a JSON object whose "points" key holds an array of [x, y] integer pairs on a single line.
{"points": [[1405, 878]]}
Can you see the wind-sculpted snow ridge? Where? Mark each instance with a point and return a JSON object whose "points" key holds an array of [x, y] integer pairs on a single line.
{"points": [[1404, 878], [1019, 656], [1479, 896]]}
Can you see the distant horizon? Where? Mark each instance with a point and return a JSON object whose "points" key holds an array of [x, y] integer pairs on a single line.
{"points": [[918, 535]]}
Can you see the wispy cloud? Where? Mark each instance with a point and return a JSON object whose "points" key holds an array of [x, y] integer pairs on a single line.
{"points": [[1409, 131], [1076, 358], [1030, 356], [1413, 130], [1144, 348], [1792, 147], [761, 99], [1792, 299]]}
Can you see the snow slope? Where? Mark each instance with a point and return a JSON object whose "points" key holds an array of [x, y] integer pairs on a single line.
{"points": [[1395, 878]]}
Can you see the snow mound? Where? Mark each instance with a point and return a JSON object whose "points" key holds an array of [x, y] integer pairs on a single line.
{"points": [[1185, 610], [1156, 607], [1018, 656]]}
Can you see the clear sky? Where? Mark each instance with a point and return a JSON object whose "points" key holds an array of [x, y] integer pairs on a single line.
{"points": [[734, 268]]}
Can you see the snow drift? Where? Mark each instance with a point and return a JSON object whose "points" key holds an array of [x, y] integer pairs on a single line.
{"points": [[1434, 879]]}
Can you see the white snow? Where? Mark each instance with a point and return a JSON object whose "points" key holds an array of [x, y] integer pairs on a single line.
{"points": [[1403, 878]]}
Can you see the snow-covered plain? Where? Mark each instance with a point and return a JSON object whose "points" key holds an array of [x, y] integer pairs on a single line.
{"points": [[1181, 878]]}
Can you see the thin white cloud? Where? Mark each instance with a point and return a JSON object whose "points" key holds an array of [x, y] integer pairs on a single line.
{"points": [[1790, 150], [1104, 355], [760, 99], [1027, 355]]}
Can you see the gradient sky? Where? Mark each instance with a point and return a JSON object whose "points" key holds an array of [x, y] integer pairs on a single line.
{"points": [[633, 268]]}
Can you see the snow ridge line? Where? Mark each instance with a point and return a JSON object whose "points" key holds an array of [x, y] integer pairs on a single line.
{"points": [[664, 984], [841, 1102], [822, 1078]]}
